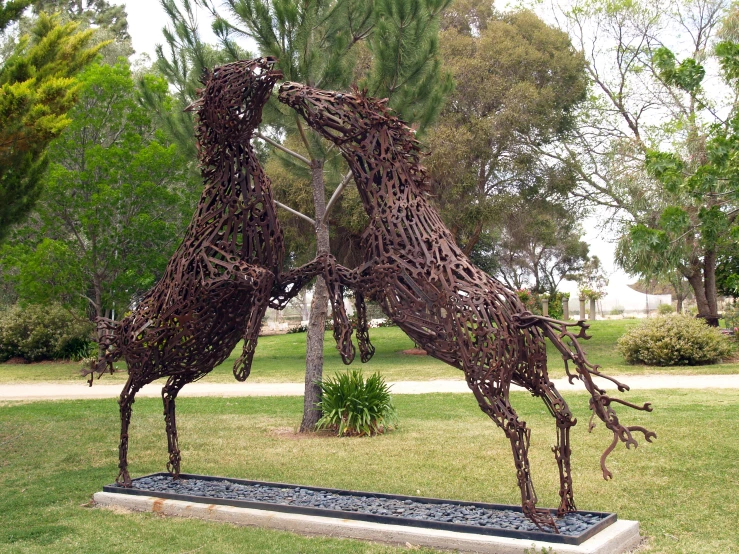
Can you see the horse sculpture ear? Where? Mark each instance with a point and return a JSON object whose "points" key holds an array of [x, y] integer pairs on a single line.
{"points": [[206, 76]]}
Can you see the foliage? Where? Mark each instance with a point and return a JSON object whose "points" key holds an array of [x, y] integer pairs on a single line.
{"points": [[674, 340], [37, 89], [532, 302], [665, 309], [117, 198], [97, 13], [353, 406], [50, 332], [731, 318], [109, 21], [654, 144], [539, 244], [518, 81], [182, 61], [592, 281]]}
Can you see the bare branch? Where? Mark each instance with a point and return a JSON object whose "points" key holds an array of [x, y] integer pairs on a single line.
{"points": [[295, 212], [335, 195], [286, 150]]}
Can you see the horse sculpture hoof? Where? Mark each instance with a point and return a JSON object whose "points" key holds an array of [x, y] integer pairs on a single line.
{"points": [[542, 519]]}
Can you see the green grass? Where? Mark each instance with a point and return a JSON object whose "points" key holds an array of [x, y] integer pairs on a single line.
{"points": [[54, 455], [281, 358]]}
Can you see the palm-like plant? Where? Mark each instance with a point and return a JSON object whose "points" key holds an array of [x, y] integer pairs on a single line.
{"points": [[354, 407]]}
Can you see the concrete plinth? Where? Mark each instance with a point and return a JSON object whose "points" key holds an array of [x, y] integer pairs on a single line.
{"points": [[617, 538]]}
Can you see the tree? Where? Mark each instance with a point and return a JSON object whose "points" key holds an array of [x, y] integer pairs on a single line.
{"points": [[109, 21], [645, 138], [37, 89], [518, 81], [99, 13], [114, 206], [182, 61], [389, 47], [540, 246]]}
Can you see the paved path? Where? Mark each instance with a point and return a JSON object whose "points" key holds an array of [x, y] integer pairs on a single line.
{"points": [[51, 391]]}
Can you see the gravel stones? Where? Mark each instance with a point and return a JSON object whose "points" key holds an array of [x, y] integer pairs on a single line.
{"points": [[449, 512]]}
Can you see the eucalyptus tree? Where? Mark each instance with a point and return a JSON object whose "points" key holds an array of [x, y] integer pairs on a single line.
{"points": [[654, 143], [518, 81]]}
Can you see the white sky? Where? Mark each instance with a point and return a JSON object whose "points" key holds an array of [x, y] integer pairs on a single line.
{"points": [[146, 18]]}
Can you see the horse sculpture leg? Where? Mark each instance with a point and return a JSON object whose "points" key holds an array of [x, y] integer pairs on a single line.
{"points": [[262, 287], [125, 401], [169, 393], [366, 350], [495, 403], [562, 451]]}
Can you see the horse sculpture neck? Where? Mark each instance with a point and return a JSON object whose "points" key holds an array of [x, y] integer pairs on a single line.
{"points": [[391, 183]]}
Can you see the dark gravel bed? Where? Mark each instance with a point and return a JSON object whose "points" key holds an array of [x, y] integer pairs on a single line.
{"points": [[449, 512]]}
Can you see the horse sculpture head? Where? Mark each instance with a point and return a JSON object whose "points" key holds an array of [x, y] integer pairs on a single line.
{"points": [[232, 98], [362, 127]]}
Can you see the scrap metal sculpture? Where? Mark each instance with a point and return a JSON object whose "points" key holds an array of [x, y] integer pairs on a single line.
{"points": [[431, 290], [220, 281]]}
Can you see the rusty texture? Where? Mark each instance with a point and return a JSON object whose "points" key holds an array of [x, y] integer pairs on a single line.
{"points": [[430, 289], [220, 281]]}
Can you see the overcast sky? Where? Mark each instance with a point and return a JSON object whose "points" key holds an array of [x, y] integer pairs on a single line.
{"points": [[146, 18]]}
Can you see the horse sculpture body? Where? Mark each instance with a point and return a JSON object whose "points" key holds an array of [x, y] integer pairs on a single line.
{"points": [[430, 289], [219, 283]]}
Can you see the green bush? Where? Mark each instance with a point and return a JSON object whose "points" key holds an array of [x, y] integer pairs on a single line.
{"points": [[353, 406], [532, 302], [664, 309], [674, 340], [44, 333]]}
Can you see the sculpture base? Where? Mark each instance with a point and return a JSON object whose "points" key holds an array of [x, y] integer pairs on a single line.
{"points": [[605, 537]]}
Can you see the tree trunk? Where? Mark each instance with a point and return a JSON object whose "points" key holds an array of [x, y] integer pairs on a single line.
{"points": [[701, 299], [318, 311], [709, 278]]}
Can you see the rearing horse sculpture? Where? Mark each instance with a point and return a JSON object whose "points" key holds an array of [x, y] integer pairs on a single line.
{"points": [[220, 281], [431, 290]]}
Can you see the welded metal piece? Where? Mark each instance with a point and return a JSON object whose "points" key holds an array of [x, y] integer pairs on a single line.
{"points": [[430, 289], [224, 275]]}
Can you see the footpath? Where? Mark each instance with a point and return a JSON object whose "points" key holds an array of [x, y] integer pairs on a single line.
{"points": [[80, 391]]}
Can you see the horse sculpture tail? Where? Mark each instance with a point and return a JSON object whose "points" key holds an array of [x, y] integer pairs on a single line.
{"points": [[108, 352], [600, 403]]}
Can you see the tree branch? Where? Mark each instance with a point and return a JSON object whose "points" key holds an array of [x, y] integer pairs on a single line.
{"points": [[335, 195], [277, 145], [295, 212]]}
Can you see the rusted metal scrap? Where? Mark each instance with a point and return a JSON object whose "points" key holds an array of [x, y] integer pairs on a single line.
{"points": [[430, 289], [224, 275]]}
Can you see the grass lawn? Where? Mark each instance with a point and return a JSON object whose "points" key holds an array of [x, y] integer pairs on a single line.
{"points": [[54, 455], [281, 358]]}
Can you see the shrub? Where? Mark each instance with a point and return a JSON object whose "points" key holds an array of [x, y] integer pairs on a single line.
{"points": [[617, 310], [532, 302], [731, 317], [44, 332], [675, 340], [665, 309], [353, 406]]}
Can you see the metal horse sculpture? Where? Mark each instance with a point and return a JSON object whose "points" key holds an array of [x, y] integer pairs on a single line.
{"points": [[219, 283], [455, 311]]}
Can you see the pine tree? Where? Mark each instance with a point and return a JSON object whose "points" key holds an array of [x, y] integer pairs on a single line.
{"points": [[388, 47], [37, 89]]}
